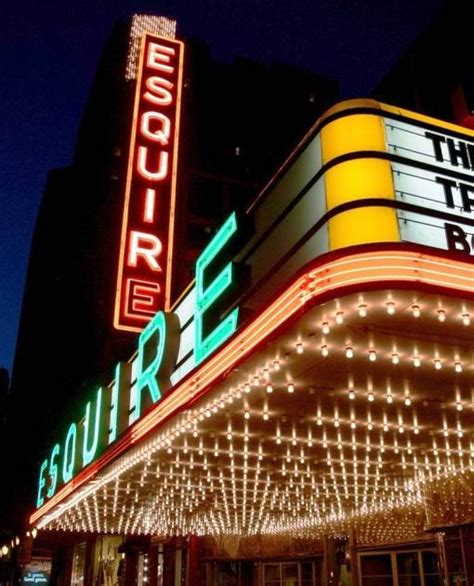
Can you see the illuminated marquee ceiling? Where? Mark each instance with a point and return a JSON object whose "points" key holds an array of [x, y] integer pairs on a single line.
{"points": [[362, 406]]}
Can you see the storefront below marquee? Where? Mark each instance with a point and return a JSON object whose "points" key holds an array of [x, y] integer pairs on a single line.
{"points": [[146, 563]]}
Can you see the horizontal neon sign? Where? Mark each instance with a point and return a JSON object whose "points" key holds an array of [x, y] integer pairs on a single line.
{"points": [[114, 409]]}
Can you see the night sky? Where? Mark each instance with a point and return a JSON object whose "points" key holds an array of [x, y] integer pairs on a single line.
{"points": [[49, 52]]}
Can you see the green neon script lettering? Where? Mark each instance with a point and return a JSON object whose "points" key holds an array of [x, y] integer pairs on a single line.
{"points": [[69, 453], [149, 362], [41, 485], [88, 452], [207, 296], [53, 471]]}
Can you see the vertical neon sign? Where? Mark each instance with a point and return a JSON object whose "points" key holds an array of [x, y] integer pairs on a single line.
{"points": [[146, 246]]}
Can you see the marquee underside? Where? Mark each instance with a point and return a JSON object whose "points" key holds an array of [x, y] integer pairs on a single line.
{"points": [[355, 416]]}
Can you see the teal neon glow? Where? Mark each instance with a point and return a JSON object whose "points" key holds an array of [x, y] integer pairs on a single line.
{"points": [[147, 377], [69, 453], [53, 471], [41, 485], [114, 405], [206, 297], [88, 452]]}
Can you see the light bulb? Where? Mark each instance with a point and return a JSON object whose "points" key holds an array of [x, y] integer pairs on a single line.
{"points": [[269, 389], [299, 348], [325, 328], [370, 396], [395, 358], [324, 350], [441, 315], [339, 317], [291, 388], [458, 367], [416, 361], [416, 310], [466, 319], [362, 310], [351, 394], [372, 355], [390, 307], [437, 363], [349, 352]]}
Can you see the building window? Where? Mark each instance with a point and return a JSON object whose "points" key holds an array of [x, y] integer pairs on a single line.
{"points": [[376, 570], [408, 568], [291, 574], [400, 568]]}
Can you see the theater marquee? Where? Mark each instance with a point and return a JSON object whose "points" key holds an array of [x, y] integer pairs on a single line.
{"points": [[146, 247], [372, 197]]}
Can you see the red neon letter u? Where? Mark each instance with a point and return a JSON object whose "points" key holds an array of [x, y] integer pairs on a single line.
{"points": [[158, 175]]}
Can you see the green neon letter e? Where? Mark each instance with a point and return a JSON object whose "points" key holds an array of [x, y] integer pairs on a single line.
{"points": [[207, 296], [53, 471]]}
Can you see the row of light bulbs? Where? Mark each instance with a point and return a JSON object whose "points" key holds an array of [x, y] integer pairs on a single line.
{"points": [[5, 549], [391, 307]]}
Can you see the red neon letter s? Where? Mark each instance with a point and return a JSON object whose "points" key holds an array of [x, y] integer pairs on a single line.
{"points": [[163, 134], [158, 56], [148, 246], [158, 91]]}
